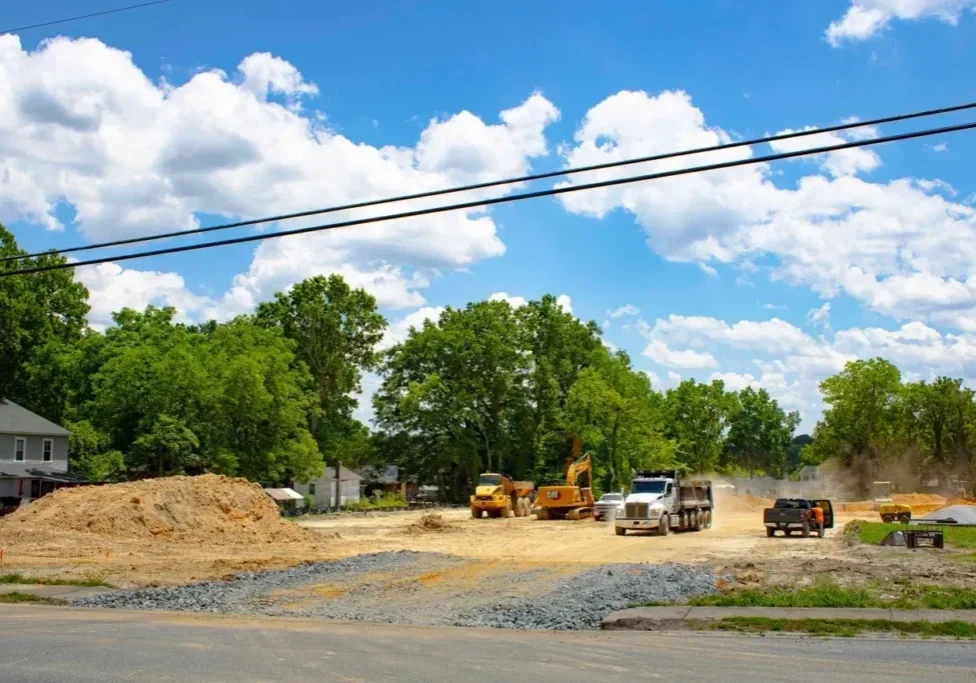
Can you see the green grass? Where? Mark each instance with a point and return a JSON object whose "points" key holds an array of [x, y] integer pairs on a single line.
{"points": [[89, 581], [826, 594], [842, 627], [30, 597], [820, 595], [872, 533]]}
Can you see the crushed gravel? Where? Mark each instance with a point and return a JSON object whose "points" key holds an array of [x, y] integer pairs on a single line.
{"points": [[408, 587]]}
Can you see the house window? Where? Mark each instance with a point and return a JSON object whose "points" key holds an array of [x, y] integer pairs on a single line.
{"points": [[48, 451], [311, 489], [20, 446]]}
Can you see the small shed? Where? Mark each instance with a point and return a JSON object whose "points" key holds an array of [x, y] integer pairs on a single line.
{"points": [[288, 500], [322, 489]]}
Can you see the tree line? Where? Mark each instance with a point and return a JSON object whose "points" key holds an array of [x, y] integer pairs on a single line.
{"points": [[877, 426], [270, 396]]}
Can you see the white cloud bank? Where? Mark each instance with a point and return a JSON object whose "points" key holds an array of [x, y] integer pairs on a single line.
{"points": [[81, 123], [866, 18]]}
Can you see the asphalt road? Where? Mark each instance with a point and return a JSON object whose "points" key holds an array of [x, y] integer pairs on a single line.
{"points": [[41, 644]]}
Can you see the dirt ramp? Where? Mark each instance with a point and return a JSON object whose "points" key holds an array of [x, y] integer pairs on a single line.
{"points": [[208, 509]]}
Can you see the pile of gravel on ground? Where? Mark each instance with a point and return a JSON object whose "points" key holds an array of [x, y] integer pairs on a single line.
{"points": [[582, 601], [961, 514], [397, 594], [242, 593]]}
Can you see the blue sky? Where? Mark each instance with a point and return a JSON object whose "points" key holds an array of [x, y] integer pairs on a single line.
{"points": [[725, 272]]}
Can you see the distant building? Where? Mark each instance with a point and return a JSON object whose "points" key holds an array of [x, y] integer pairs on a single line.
{"points": [[387, 479], [289, 501], [33, 454], [322, 489], [810, 473]]}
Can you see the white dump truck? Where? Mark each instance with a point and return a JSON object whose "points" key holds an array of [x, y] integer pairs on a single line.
{"points": [[660, 501]]}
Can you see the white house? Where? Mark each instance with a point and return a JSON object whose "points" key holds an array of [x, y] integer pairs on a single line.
{"points": [[322, 490]]}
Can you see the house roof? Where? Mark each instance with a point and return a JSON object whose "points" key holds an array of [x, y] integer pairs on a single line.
{"points": [[21, 470], [284, 494], [345, 474], [15, 419], [390, 474]]}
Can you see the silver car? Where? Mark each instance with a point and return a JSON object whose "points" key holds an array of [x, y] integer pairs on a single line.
{"points": [[606, 508]]}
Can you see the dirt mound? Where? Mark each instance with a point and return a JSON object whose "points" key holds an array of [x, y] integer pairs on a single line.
{"points": [[431, 521], [918, 499], [208, 509], [742, 503]]}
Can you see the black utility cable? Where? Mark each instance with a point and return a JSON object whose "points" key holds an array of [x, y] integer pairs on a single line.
{"points": [[508, 181], [83, 16], [505, 199]]}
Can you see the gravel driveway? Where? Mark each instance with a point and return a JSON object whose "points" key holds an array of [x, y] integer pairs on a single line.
{"points": [[432, 589]]}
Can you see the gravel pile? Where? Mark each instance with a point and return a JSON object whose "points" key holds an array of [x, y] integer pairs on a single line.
{"points": [[582, 601], [961, 514], [407, 587]]}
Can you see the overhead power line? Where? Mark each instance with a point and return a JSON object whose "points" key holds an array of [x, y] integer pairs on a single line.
{"points": [[84, 16], [506, 199], [506, 181]]}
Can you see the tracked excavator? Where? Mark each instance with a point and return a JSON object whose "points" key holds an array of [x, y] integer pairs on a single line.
{"points": [[567, 499]]}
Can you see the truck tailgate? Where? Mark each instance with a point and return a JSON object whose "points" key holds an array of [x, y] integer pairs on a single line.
{"points": [[778, 515]]}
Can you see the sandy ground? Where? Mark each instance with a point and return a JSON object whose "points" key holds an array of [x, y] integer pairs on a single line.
{"points": [[736, 545]]}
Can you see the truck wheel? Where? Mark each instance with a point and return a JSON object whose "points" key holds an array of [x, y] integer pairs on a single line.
{"points": [[770, 531], [708, 519], [663, 525], [904, 518], [806, 529], [620, 531], [507, 510], [476, 513], [887, 519], [693, 520], [683, 521]]}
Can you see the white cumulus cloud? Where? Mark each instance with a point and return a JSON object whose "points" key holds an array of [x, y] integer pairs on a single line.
{"points": [[865, 18], [625, 310], [662, 354]]}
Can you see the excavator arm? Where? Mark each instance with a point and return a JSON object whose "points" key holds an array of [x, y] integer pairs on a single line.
{"points": [[583, 465]]}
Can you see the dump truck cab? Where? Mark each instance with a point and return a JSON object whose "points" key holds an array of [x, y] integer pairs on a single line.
{"points": [[660, 500], [499, 496]]}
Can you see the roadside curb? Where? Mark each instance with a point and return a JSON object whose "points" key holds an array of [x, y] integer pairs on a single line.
{"points": [[664, 618]]}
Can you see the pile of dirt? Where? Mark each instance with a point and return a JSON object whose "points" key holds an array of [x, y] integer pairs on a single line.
{"points": [[918, 499], [208, 509], [742, 503], [431, 521]]}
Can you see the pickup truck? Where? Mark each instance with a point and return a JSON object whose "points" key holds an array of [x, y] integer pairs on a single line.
{"points": [[607, 506], [796, 514]]}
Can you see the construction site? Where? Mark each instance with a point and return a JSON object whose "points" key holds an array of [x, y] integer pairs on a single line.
{"points": [[210, 543]]}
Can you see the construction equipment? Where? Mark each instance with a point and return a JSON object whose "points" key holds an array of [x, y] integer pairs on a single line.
{"points": [[660, 500], [566, 499], [895, 511], [881, 492], [500, 496]]}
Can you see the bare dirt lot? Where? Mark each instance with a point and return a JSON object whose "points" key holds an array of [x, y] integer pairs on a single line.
{"points": [[188, 529]]}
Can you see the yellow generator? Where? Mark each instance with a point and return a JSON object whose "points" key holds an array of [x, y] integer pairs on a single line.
{"points": [[568, 500], [499, 496], [891, 512]]}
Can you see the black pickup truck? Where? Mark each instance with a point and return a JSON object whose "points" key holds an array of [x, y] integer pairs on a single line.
{"points": [[796, 514]]}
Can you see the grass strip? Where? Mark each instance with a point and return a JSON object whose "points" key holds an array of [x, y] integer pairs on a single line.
{"points": [[30, 597], [842, 627], [872, 533], [90, 581]]}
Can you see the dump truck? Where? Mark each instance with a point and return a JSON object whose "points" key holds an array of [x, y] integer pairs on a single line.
{"points": [[660, 500], [499, 496], [567, 499]]}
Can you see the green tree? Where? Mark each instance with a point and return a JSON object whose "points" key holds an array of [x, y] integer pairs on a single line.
{"points": [[335, 329], [860, 424], [935, 420], [168, 447], [760, 433], [697, 419], [89, 455], [42, 316]]}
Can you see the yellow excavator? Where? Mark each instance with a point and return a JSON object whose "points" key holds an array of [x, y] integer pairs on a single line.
{"points": [[568, 500]]}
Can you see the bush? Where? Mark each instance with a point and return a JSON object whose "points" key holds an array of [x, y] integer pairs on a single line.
{"points": [[385, 501]]}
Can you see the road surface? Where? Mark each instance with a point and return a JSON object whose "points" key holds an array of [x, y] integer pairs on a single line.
{"points": [[47, 645]]}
